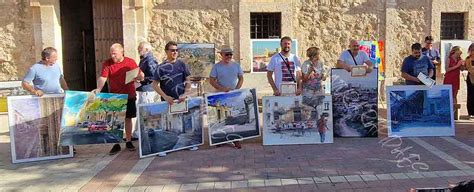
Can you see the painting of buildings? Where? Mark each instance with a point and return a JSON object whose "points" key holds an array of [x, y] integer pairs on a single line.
{"points": [[199, 56], [34, 128], [420, 111], [92, 118], [297, 120], [354, 104], [264, 49], [232, 116], [160, 131]]}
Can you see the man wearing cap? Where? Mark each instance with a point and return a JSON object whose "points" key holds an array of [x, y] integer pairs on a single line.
{"points": [[226, 75]]}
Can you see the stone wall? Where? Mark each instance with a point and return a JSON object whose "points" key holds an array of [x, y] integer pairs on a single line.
{"points": [[16, 39]]}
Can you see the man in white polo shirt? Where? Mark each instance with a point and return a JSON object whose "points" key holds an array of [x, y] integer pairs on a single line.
{"points": [[353, 57]]}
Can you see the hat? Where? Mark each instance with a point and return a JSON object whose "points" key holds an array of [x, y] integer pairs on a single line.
{"points": [[226, 50]]}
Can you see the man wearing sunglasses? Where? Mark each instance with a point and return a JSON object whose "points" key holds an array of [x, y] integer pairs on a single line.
{"points": [[171, 78], [431, 53], [227, 74]]}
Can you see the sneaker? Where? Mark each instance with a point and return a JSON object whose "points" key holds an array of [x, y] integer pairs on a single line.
{"points": [[237, 145], [130, 146], [115, 149]]}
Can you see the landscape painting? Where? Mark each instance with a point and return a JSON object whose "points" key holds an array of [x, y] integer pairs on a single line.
{"points": [[232, 116], [297, 120], [354, 104], [264, 49], [200, 57], [34, 128], [90, 118], [416, 111], [162, 132]]}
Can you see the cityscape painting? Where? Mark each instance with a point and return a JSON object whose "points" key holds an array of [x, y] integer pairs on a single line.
{"points": [[264, 49], [232, 116], [416, 111], [34, 128], [354, 104], [90, 118], [161, 132], [200, 57], [297, 120]]}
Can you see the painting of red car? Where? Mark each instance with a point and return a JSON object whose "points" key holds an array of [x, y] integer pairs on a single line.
{"points": [[99, 126]]}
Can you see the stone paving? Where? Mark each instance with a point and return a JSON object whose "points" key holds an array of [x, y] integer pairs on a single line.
{"points": [[349, 164]]}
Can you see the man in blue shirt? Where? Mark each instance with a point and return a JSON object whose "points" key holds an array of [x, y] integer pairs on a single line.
{"points": [[416, 64], [226, 75], [148, 66], [431, 53], [45, 77], [171, 79]]}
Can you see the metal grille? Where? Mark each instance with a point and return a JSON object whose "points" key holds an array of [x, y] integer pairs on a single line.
{"points": [[452, 25], [265, 25]]}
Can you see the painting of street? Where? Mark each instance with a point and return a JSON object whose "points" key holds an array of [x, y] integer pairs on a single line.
{"points": [[92, 118], [160, 131], [264, 49], [297, 120], [34, 128], [232, 116], [354, 104], [416, 111], [198, 56]]}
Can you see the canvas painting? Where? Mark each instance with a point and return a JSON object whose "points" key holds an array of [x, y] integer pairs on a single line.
{"points": [[297, 120], [160, 131], [232, 116], [416, 111], [34, 128], [264, 49], [375, 51], [93, 118], [9, 88], [354, 104], [446, 46], [198, 56]]}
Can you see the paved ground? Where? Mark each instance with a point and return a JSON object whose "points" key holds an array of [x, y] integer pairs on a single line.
{"points": [[349, 164]]}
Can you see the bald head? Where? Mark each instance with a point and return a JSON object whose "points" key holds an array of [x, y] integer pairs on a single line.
{"points": [[354, 46], [116, 52]]}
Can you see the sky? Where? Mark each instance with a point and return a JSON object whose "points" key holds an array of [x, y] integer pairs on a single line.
{"points": [[258, 46], [232, 98]]}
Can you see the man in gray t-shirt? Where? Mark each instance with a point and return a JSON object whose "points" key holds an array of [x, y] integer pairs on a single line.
{"points": [[45, 77], [226, 75]]}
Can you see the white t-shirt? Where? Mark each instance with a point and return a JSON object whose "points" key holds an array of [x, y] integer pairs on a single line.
{"points": [[360, 58], [280, 71]]}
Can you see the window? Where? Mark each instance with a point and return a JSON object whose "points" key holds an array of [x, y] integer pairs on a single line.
{"points": [[452, 25], [265, 25]]}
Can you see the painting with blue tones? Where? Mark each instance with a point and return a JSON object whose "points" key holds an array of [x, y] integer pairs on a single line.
{"points": [[162, 132], [415, 111], [92, 118], [232, 116], [264, 49]]}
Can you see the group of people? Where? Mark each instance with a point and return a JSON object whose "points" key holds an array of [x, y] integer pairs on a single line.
{"points": [[170, 80]]}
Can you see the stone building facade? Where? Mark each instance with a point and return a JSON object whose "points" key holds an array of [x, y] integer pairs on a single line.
{"points": [[27, 26]]}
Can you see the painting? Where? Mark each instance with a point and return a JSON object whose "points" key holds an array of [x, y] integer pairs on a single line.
{"points": [[416, 111], [34, 128], [198, 56], [375, 51], [9, 88], [446, 46], [354, 104], [297, 120], [232, 116], [90, 118], [264, 49], [162, 132]]}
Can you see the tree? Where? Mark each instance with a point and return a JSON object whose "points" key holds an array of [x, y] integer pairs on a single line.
{"points": [[116, 105]]}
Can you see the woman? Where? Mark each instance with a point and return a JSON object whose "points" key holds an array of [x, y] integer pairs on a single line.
{"points": [[470, 81], [313, 73], [453, 70]]}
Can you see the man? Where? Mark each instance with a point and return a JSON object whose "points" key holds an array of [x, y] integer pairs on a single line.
{"points": [[45, 77], [114, 70], [172, 77], [285, 66], [415, 64], [227, 75], [147, 65], [353, 57], [431, 53]]}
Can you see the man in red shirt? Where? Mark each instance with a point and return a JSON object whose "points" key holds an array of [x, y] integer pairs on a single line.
{"points": [[115, 69]]}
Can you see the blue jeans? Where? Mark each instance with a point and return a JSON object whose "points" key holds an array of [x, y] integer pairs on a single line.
{"points": [[323, 137]]}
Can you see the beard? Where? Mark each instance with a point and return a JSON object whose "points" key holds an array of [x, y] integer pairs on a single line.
{"points": [[286, 49]]}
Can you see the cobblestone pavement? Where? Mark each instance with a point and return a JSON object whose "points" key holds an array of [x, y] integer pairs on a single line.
{"points": [[349, 164]]}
